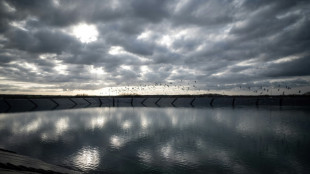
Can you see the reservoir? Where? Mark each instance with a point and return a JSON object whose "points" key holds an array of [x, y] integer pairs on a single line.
{"points": [[164, 140]]}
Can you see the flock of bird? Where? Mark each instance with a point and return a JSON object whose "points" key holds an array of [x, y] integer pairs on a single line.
{"points": [[279, 90], [193, 87], [156, 87]]}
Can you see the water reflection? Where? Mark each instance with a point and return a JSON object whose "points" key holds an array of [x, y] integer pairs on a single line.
{"points": [[145, 156], [117, 141], [126, 124], [31, 127], [62, 125], [87, 158], [169, 140], [97, 122]]}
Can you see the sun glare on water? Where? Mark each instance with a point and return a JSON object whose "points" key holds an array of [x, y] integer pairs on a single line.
{"points": [[85, 33]]}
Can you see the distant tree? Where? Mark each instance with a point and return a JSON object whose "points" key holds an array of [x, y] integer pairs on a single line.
{"points": [[81, 94]]}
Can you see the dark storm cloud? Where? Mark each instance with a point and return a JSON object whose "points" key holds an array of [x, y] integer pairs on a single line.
{"points": [[298, 67], [42, 41], [214, 42], [151, 10], [200, 12]]}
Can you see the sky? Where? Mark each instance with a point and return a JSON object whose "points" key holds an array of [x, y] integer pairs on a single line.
{"points": [[111, 47]]}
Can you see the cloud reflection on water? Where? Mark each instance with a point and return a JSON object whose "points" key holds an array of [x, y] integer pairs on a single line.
{"points": [[86, 158], [97, 122], [191, 138], [62, 125]]}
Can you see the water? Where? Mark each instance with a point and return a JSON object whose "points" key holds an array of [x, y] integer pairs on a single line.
{"points": [[164, 140]]}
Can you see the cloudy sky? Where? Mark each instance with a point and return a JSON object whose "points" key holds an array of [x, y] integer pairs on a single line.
{"points": [[70, 47]]}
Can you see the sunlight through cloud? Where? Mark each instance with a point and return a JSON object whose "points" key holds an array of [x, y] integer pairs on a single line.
{"points": [[85, 33]]}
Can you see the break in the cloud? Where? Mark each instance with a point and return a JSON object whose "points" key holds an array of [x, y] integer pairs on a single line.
{"points": [[55, 46]]}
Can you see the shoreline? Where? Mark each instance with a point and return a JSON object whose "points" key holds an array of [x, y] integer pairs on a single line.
{"points": [[22, 96], [25, 103]]}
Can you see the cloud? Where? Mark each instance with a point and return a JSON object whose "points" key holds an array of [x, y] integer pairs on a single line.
{"points": [[288, 68], [213, 42], [42, 41]]}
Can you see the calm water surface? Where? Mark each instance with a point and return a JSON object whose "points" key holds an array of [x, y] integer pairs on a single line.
{"points": [[164, 140]]}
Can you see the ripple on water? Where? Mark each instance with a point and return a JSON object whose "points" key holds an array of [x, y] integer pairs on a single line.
{"points": [[87, 158]]}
